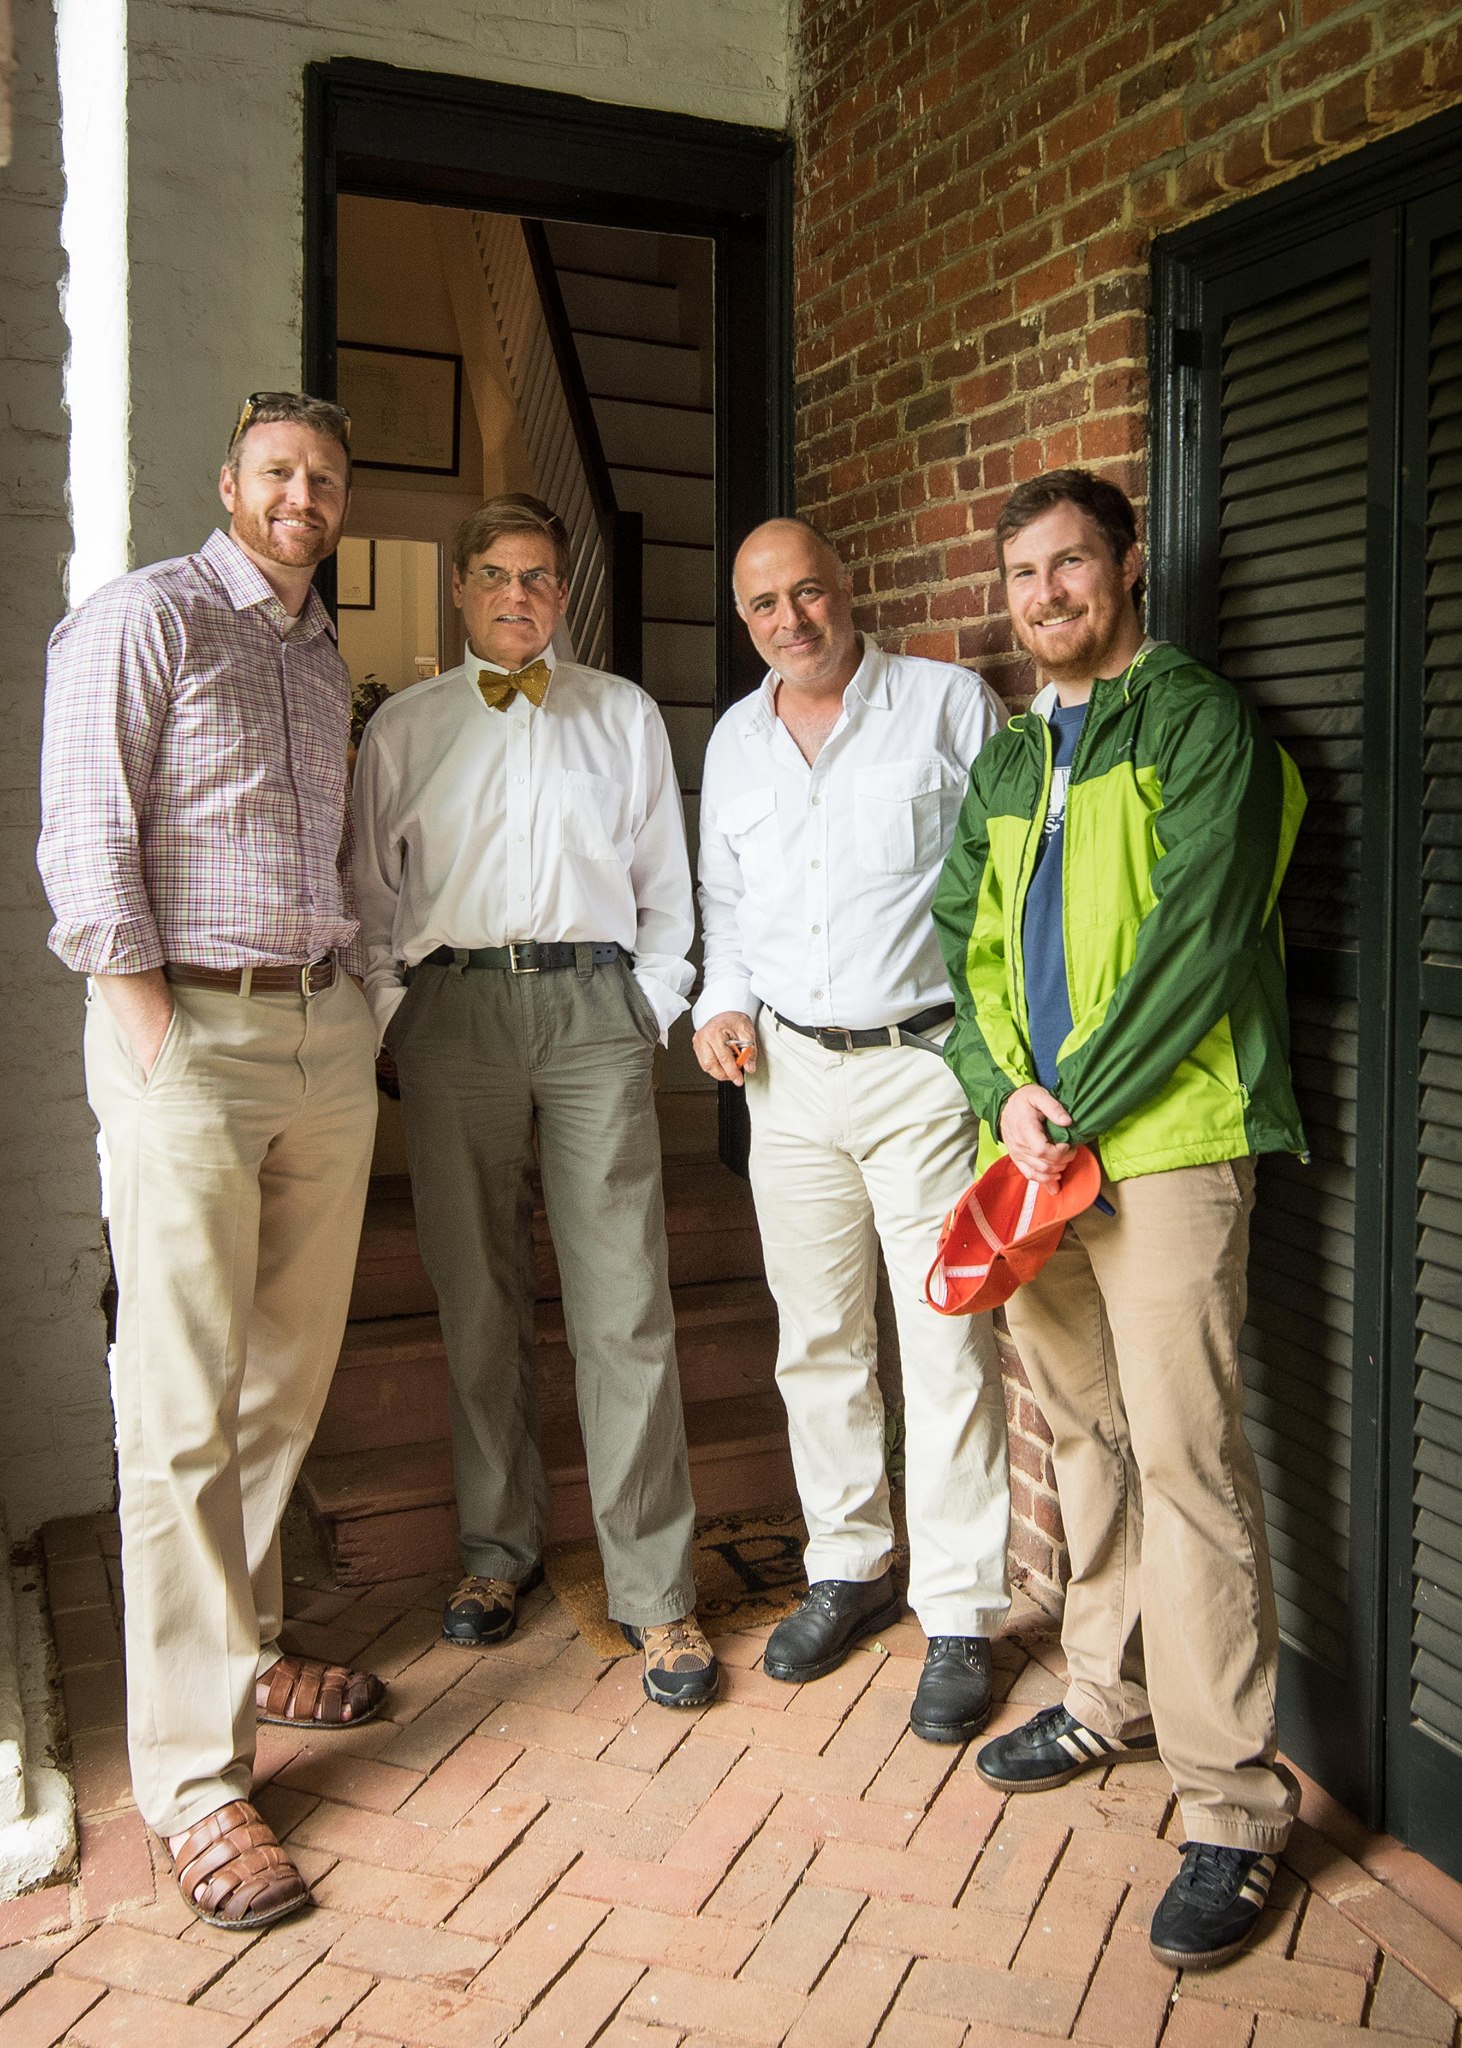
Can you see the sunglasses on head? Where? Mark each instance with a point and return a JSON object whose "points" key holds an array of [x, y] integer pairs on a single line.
{"points": [[257, 400]]}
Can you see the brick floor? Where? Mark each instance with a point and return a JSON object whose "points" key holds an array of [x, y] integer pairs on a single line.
{"points": [[521, 1849]]}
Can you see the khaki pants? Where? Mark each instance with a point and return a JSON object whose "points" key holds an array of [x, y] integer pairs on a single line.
{"points": [[487, 1058], [1129, 1335], [237, 1175], [850, 1151]]}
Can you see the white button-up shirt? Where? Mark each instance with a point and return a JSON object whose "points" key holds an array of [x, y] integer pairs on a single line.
{"points": [[816, 881], [480, 827]]}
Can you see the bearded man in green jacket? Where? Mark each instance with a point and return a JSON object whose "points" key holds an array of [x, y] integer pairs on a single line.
{"points": [[1108, 917]]}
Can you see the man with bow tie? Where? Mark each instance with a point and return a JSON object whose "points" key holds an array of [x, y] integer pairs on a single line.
{"points": [[525, 898]]}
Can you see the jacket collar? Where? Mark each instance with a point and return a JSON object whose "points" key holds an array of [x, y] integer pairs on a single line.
{"points": [[1047, 700]]}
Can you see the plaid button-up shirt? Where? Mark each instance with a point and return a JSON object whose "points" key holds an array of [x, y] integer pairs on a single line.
{"points": [[194, 774]]}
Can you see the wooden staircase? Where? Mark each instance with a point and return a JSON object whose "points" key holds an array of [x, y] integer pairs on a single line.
{"points": [[378, 1481]]}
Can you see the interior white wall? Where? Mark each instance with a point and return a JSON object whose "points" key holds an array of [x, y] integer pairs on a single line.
{"points": [[401, 627], [215, 180]]}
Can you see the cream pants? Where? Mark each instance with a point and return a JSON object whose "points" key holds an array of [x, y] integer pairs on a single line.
{"points": [[850, 1151], [237, 1178]]}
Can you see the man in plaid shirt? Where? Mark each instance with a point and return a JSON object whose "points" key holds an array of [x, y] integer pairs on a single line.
{"points": [[195, 849]]}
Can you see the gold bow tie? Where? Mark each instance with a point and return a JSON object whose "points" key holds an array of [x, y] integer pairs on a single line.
{"points": [[498, 691]]}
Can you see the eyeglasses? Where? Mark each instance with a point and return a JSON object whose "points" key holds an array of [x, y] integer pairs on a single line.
{"points": [[255, 403], [534, 581]]}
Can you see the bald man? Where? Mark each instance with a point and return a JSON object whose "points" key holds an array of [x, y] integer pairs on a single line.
{"points": [[829, 799]]}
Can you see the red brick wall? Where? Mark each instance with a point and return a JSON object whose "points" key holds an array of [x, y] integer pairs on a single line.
{"points": [[979, 181]]}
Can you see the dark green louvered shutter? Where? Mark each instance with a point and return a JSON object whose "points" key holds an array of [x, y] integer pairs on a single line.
{"points": [[1292, 554], [1425, 1766], [1307, 530]]}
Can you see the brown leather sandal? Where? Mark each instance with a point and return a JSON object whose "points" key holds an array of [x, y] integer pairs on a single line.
{"points": [[233, 1873], [305, 1692]]}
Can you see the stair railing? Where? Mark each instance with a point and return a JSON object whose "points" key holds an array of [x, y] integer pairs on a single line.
{"points": [[605, 610]]}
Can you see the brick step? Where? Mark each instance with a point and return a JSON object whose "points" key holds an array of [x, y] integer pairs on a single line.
{"points": [[391, 1513], [709, 1220], [391, 1383]]}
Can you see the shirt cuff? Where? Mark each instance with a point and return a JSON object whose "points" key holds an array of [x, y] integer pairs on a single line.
{"points": [[666, 1002], [385, 999], [726, 992], [116, 945]]}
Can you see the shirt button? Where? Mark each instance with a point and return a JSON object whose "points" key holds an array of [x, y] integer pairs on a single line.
{"points": [[817, 799], [817, 927], [817, 863], [817, 995]]}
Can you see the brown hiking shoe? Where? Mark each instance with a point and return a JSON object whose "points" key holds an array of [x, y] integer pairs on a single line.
{"points": [[484, 1611], [680, 1665]]}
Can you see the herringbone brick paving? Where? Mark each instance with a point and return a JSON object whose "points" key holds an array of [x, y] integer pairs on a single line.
{"points": [[523, 1849]]}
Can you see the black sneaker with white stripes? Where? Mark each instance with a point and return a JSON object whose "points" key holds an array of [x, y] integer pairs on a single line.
{"points": [[1212, 1906], [1050, 1748]]}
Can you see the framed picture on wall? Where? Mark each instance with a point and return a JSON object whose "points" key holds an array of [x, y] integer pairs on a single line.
{"points": [[405, 407], [355, 575]]}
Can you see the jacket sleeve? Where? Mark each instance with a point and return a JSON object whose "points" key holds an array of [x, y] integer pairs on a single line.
{"points": [[1224, 835], [985, 1050]]}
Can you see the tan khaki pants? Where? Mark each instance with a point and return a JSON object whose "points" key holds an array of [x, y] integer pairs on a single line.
{"points": [[487, 1060], [1129, 1335], [237, 1177], [850, 1151]]}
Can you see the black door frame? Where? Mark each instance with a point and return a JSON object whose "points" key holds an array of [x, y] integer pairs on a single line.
{"points": [[1358, 1734], [381, 132]]}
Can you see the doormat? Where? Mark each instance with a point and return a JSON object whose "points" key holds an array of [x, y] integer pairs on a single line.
{"points": [[748, 1570]]}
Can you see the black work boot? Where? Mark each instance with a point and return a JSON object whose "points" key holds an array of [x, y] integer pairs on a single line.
{"points": [[1212, 1906], [954, 1696], [835, 1614]]}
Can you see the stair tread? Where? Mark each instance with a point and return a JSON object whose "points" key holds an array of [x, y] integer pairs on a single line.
{"points": [[701, 1194], [701, 1305], [355, 1483]]}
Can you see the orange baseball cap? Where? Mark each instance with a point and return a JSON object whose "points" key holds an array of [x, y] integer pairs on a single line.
{"points": [[1002, 1230]]}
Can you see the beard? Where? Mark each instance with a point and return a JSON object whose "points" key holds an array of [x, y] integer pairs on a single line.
{"points": [[291, 548]]}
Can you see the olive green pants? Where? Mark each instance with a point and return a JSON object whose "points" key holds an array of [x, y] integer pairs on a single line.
{"points": [[487, 1059]]}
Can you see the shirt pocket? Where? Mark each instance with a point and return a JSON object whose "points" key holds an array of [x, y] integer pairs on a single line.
{"points": [[589, 807], [898, 807], [749, 822]]}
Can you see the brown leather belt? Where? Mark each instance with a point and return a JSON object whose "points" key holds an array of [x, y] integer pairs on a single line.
{"points": [[310, 978]]}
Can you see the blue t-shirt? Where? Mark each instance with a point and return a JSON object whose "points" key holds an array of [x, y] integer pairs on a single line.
{"points": [[1042, 936]]}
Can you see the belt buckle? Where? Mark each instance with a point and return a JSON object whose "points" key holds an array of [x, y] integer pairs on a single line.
{"points": [[828, 1035], [514, 951], [307, 971]]}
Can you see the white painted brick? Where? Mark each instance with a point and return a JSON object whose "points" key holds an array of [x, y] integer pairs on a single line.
{"points": [[603, 47], [33, 398]]}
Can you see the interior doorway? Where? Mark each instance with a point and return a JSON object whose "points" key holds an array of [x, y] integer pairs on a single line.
{"points": [[482, 352]]}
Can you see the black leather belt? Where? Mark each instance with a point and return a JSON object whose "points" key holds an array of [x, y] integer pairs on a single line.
{"points": [[529, 958], [836, 1038], [310, 978]]}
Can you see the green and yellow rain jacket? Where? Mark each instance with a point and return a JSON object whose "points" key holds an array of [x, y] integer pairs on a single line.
{"points": [[1181, 815]]}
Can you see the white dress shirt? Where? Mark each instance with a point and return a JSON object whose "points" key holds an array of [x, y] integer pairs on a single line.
{"points": [[561, 821], [816, 881]]}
